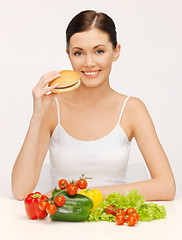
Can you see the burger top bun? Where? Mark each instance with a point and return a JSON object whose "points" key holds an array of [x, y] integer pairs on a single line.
{"points": [[68, 81]]}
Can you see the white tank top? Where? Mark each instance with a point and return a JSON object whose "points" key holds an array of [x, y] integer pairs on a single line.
{"points": [[104, 159]]}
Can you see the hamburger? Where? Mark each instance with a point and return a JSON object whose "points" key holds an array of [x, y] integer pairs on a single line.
{"points": [[68, 81]]}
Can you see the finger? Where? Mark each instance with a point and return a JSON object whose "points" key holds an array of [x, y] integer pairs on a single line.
{"points": [[49, 88], [39, 92], [50, 73], [46, 80]]}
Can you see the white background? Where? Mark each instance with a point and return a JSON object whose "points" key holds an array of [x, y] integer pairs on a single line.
{"points": [[32, 43]]}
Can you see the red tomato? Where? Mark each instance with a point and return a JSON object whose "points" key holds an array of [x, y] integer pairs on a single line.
{"points": [[72, 189], [120, 219], [63, 183], [43, 205], [111, 210], [136, 215], [131, 220], [59, 200], [51, 208], [82, 183], [121, 210], [130, 210]]}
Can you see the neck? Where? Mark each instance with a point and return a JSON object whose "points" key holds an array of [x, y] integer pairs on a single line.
{"points": [[93, 96]]}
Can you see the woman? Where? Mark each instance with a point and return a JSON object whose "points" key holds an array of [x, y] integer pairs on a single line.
{"points": [[90, 129]]}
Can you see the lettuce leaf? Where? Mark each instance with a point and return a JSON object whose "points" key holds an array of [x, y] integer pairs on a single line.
{"points": [[151, 211], [147, 211]]}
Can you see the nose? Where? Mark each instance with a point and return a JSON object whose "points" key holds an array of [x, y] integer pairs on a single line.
{"points": [[89, 61]]}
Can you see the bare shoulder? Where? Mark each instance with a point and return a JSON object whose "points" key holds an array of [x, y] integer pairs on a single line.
{"points": [[132, 115], [136, 106], [135, 116], [139, 116], [137, 110]]}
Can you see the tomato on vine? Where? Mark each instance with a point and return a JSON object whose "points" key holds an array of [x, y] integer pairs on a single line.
{"points": [[131, 220], [72, 189], [111, 210], [120, 219], [130, 210], [51, 208], [121, 211], [43, 205], [136, 215], [63, 183], [82, 183], [59, 200]]}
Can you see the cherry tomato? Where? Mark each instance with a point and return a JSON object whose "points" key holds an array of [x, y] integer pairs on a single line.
{"points": [[120, 219], [72, 189], [82, 183], [63, 183], [51, 208], [121, 210], [43, 205], [59, 200], [136, 215], [111, 210], [131, 220], [130, 210]]}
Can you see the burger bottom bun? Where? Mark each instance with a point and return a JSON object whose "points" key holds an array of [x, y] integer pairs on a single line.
{"points": [[67, 89]]}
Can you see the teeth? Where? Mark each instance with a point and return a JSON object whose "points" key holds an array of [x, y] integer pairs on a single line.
{"points": [[90, 73]]}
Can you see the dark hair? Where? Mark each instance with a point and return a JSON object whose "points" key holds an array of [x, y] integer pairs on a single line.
{"points": [[89, 19]]}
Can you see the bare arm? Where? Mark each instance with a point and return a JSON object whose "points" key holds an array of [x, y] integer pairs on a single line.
{"points": [[27, 167], [161, 186]]}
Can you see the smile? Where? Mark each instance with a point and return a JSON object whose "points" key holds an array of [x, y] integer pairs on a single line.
{"points": [[91, 73]]}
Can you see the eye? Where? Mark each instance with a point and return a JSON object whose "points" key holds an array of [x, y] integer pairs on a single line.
{"points": [[77, 53], [100, 51]]}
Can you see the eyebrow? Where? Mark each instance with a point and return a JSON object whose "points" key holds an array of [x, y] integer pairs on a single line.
{"points": [[100, 45]]}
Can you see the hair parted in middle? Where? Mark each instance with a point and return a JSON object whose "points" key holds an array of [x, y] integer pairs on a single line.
{"points": [[89, 19]]}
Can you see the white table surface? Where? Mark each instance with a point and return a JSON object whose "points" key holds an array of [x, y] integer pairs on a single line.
{"points": [[14, 224]]}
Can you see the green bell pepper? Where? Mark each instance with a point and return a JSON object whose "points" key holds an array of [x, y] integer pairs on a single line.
{"points": [[76, 208]]}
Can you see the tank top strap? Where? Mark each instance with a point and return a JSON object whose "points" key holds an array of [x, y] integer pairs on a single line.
{"points": [[58, 110], [122, 110]]}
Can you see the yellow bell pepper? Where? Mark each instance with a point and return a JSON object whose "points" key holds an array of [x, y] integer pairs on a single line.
{"points": [[94, 194]]}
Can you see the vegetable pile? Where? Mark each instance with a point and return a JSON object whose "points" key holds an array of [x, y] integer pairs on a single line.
{"points": [[67, 204], [64, 205], [147, 211]]}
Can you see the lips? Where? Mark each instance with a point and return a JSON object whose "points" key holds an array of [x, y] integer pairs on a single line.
{"points": [[91, 73]]}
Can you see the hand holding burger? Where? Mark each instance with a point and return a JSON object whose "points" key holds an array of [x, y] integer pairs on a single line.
{"points": [[55, 82]]}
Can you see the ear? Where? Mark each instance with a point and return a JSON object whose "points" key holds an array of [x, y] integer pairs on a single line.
{"points": [[67, 52], [116, 52]]}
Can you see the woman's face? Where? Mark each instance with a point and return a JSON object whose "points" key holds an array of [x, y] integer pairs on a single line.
{"points": [[91, 54]]}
